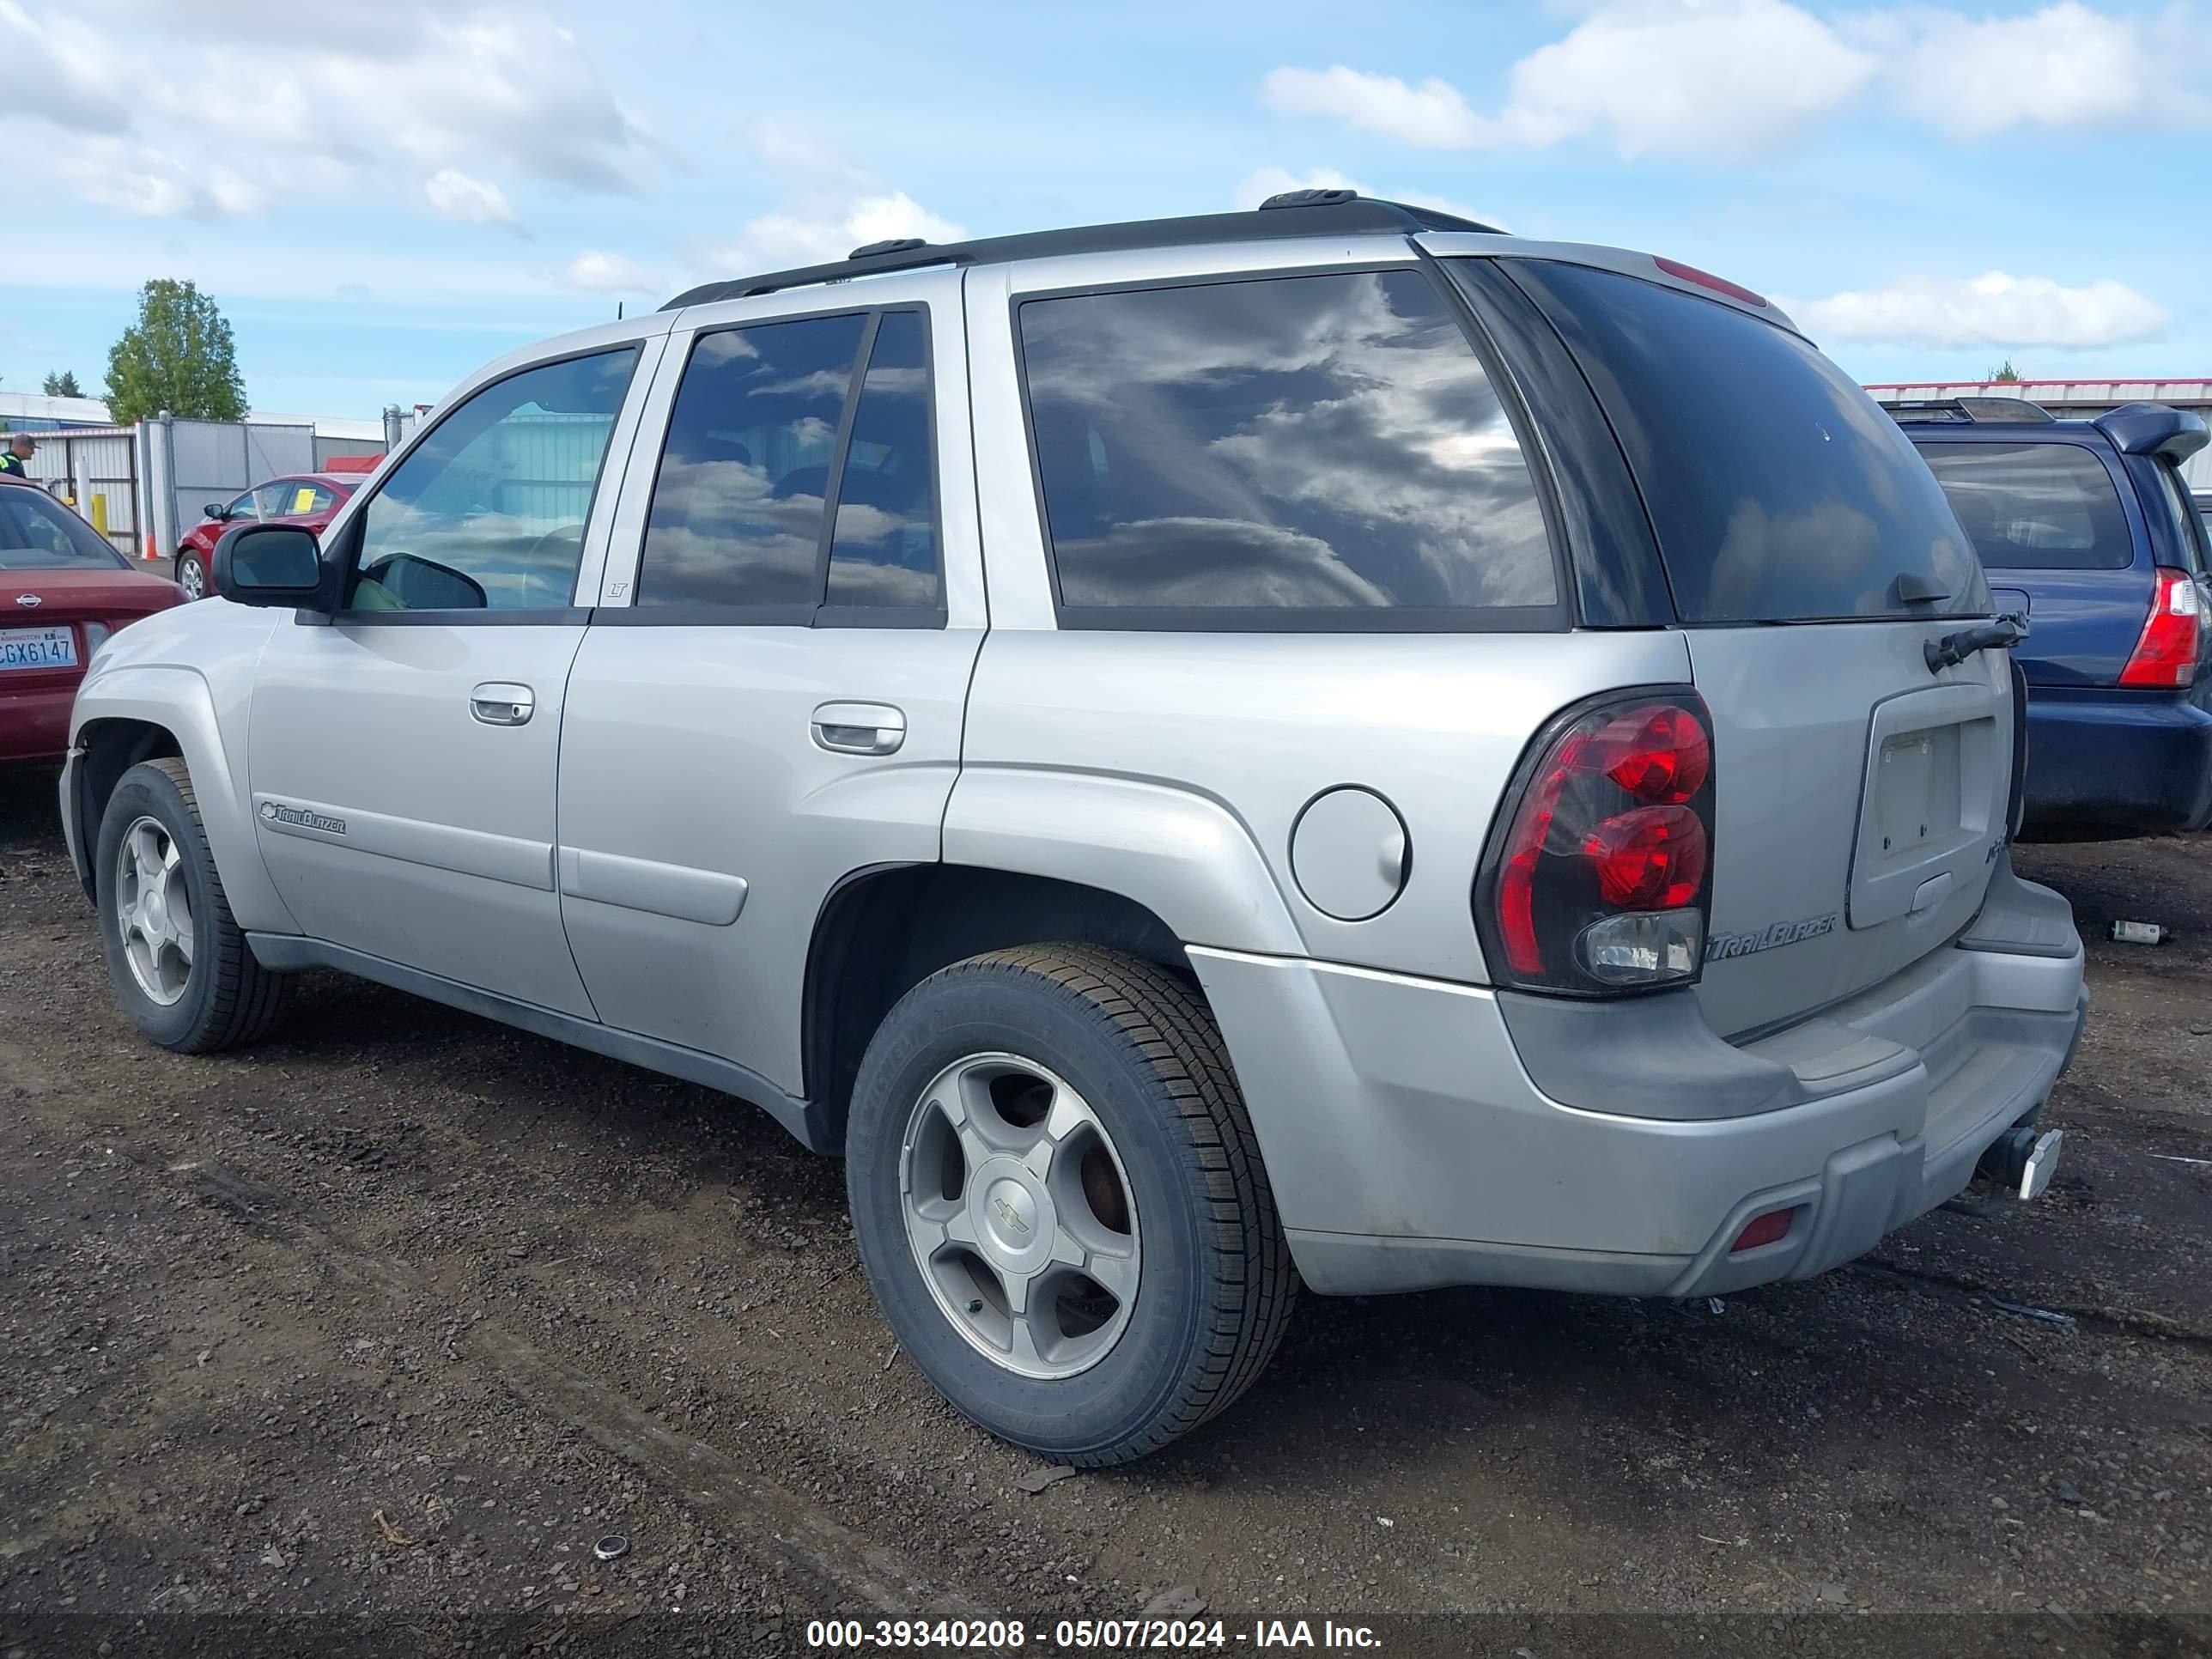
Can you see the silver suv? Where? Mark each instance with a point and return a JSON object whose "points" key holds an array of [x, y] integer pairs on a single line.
{"points": [[1328, 745]]}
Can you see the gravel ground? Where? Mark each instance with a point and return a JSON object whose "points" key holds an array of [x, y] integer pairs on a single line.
{"points": [[364, 1337]]}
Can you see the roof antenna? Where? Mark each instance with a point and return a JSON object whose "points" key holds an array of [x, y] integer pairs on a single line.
{"points": [[618, 310]]}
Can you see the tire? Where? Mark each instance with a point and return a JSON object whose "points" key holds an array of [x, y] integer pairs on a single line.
{"points": [[223, 997], [191, 576], [1210, 1284]]}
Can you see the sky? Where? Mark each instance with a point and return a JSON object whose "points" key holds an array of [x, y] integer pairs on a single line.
{"points": [[381, 194]]}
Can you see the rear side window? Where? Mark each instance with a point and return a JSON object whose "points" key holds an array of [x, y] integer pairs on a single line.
{"points": [[884, 551], [1778, 490], [1312, 451], [2034, 506], [738, 508], [776, 486]]}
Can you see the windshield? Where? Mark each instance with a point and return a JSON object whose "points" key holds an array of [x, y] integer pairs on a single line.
{"points": [[1778, 490], [37, 533]]}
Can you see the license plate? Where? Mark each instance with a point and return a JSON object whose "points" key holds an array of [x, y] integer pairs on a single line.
{"points": [[37, 647]]}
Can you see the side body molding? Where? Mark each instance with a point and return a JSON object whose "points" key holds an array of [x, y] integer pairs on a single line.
{"points": [[1183, 857]]}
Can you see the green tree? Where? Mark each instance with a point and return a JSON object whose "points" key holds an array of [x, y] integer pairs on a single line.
{"points": [[63, 384], [2004, 374], [177, 356]]}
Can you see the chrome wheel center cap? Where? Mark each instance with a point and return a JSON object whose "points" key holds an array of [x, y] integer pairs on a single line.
{"points": [[1014, 1219]]}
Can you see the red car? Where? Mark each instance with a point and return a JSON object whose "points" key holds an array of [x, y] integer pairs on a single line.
{"points": [[309, 500], [62, 590]]}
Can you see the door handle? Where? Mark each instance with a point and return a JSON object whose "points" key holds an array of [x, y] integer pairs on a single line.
{"points": [[500, 703], [858, 728]]}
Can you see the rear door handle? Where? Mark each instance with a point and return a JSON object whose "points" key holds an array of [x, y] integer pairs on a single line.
{"points": [[502, 702], [858, 728]]}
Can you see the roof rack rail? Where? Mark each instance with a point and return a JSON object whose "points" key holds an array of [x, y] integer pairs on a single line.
{"points": [[1968, 411], [1293, 213]]}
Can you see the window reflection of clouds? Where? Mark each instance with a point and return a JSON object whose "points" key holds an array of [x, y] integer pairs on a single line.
{"points": [[884, 551], [737, 509], [1307, 441]]}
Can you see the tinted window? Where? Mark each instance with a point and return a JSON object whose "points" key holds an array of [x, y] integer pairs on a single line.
{"points": [[488, 511], [884, 551], [739, 504], [2034, 506], [245, 506], [1779, 491], [1307, 443], [37, 533], [2192, 529]]}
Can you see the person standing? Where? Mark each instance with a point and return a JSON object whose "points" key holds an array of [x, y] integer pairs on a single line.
{"points": [[16, 459]]}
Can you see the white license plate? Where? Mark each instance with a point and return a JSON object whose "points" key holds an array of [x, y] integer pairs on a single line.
{"points": [[37, 648]]}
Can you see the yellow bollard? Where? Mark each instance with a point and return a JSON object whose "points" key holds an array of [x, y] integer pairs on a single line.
{"points": [[100, 513]]}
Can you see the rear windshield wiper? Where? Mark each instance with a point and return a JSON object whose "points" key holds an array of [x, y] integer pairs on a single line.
{"points": [[1954, 648]]}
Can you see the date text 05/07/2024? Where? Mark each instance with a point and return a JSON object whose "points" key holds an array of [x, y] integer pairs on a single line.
{"points": [[1079, 1635]]}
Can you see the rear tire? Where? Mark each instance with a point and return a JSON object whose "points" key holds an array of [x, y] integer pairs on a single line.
{"points": [[177, 963], [1164, 1279]]}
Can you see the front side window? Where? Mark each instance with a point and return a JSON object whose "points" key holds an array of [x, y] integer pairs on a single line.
{"points": [[743, 486], [37, 533], [488, 512], [1233, 452], [2034, 506], [247, 507]]}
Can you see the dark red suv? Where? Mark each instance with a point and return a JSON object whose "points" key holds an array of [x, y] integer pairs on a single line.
{"points": [[309, 500]]}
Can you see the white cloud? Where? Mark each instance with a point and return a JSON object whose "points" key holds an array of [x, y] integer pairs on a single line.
{"points": [[118, 173], [347, 94], [454, 195], [1726, 78], [1432, 114], [1994, 309], [827, 229], [2063, 66], [1741, 79], [610, 273]]}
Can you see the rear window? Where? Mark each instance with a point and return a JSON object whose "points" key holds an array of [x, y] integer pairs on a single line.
{"points": [[2034, 506], [1297, 452], [38, 534], [1778, 490]]}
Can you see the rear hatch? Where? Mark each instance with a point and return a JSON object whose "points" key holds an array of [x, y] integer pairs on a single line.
{"points": [[1812, 558], [2046, 516]]}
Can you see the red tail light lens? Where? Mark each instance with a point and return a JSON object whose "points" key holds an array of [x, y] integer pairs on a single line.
{"points": [[1599, 877], [1652, 859], [2166, 653]]}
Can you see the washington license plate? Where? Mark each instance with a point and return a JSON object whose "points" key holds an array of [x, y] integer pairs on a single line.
{"points": [[37, 648]]}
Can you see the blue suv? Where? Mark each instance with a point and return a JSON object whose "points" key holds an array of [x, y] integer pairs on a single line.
{"points": [[2087, 531]]}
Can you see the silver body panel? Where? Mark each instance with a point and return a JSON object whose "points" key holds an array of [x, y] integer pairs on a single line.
{"points": [[641, 863]]}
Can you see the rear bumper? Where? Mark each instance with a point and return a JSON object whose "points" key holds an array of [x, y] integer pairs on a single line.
{"points": [[2130, 760], [34, 725], [1410, 1146]]}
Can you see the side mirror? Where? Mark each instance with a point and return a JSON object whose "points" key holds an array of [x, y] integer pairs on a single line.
{"points": [[270, 564], [215, 510]]}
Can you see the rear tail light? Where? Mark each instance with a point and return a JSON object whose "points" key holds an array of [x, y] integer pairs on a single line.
{"points": [[1599, 877], [95, 635], [2166, 652]]}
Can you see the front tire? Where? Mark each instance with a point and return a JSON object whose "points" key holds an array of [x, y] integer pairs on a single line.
{"points": [[191, 576], [1061, 1204], [178, 964]]}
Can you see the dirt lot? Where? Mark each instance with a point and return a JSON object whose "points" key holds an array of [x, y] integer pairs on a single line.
{"points": [[388, 1321]]}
